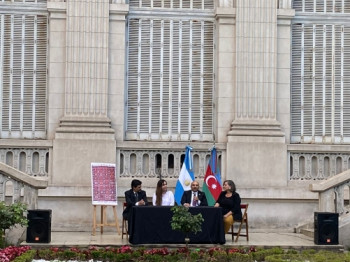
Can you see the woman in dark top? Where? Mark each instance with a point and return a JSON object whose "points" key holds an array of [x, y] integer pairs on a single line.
{"points": [[230, 202]]}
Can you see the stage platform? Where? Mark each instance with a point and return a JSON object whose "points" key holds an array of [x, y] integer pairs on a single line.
{"points": [[261, 239]]}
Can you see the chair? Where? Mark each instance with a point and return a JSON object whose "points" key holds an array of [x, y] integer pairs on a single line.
{"points": [[244, 221], [125, 224]]}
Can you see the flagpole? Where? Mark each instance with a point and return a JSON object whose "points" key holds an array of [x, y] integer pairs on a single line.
{"points": [[212, 147]]}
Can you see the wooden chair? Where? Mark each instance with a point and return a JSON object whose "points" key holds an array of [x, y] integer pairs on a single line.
{"points": [[125, 224], [244, 221]]}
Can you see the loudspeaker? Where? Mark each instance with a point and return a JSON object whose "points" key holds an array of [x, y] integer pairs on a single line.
{"points": [[39, 226], [326, 228]]}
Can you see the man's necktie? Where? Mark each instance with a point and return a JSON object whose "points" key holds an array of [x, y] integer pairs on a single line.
{"points": [[194, 202], [136, 197]]}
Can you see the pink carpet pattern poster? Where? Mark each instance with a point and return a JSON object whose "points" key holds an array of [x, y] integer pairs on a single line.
{"points": [[104, 184]]}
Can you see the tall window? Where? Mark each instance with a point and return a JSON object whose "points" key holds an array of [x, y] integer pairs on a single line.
{"points": [[23, 68], [321, 72], [170, 72]]}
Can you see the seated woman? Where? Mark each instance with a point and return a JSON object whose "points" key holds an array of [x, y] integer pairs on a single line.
{"points": [[163, 197], [230, 202]]}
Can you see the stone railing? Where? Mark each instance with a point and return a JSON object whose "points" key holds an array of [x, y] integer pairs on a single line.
{"points": [[32, 161], [334, 193], [16, 184], [317, 165], [161, 162]]}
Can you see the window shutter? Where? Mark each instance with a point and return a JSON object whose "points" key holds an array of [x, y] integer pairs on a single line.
{"points": [[320, 65], [346, 82], [23, 66], [297, 82], [170, 75]]}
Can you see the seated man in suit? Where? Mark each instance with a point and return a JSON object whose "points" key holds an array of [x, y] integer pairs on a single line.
{"points": [[194, 197], [134, 197]]}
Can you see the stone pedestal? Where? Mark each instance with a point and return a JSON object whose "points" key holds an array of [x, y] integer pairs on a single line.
{"points": [[257, 161], [76, 145]]}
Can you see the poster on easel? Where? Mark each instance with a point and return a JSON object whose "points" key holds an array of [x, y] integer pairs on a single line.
{"points": [[103, 184]]}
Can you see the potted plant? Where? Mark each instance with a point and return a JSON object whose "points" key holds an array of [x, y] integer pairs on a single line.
{"points": [[11, 215], [182, 220]]}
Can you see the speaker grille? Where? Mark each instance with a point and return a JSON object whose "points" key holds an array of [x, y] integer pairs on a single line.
{"points": [[39, 226], [326, 228]]}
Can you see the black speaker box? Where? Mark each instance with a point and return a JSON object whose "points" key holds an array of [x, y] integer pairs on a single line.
{"points": [[326, 228], [39, 226]]}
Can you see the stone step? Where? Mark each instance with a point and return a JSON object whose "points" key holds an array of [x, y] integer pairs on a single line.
{"points": [[307, 232]]}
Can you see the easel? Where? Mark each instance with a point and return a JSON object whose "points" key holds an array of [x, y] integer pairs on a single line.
{"points": [[104, 219]]}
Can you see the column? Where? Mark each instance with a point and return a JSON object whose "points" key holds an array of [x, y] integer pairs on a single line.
{"points": [[256, 51], [225, 77], [256, 149], [84, 134], [86, 84]]}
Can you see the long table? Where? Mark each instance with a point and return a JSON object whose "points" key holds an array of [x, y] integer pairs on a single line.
{"points": [[151, 225]]}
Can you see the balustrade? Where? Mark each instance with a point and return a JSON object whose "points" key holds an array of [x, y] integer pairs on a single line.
{"points": [[33, 161], [21, 185], [334, 193], [317, 166], [150, 163]]}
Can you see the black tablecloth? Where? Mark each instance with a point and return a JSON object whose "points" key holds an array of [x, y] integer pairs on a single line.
{"points": [[151, 225]]}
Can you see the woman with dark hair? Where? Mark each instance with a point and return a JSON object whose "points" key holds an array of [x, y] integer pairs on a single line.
{"points": [[163, 197], [230, 202]]}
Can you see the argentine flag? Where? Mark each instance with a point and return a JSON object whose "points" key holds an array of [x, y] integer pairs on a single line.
{"points": [[185, 178]]}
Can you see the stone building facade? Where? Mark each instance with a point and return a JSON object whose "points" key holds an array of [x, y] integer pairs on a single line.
{"points": [[134, 82]]}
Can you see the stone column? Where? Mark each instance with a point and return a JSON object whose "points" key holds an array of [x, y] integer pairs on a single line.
{"points": [[87, 30], [256, 40], [84, 134], [225, 79], [256, 147]]}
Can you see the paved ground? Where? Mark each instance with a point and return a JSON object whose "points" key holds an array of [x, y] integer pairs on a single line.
{"points": [[268, 239]]}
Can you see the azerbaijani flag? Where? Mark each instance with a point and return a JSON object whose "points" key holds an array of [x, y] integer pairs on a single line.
{"points": [[185, 178], [212, 180]]}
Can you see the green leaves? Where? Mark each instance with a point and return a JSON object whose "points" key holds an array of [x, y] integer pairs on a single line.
{"points": [[182, 220], [11, 215]]}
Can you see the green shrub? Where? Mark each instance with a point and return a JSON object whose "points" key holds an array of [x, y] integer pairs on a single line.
{"points": [[285, 258], [309, 255], [26, 257], [11, 215], [126, 254], [153, 258], [96, 254], [123, 257], [69, 255], [238, 257], [261, 254], [183, 221], [46, 254], [325, 256]]}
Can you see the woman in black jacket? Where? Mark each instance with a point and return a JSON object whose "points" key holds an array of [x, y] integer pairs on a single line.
{"points": [[230, 202]]}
